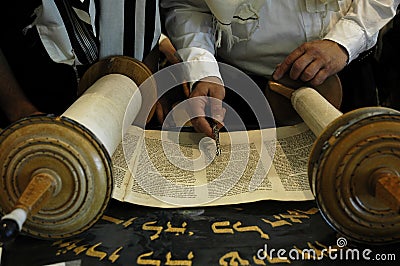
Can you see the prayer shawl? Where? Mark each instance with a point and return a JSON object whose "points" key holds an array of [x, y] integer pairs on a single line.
{"points": [[243, 11], [79, 32]]}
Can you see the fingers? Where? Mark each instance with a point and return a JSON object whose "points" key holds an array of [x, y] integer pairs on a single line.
{"points": [[206, 101], [217, 112], [302, 68], [219, 118], [169, 51], [198, 106], [307, 72], [313, 62], [320, 77], [196, 110], [161, 111], [217, 94], [201, 124], [287, 63]]}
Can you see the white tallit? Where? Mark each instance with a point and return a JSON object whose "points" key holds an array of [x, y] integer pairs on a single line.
{"points": [[226, 11]]}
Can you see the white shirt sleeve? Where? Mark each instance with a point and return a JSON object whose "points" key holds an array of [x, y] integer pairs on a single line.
{"points": [[358, 30], [190, 27]]}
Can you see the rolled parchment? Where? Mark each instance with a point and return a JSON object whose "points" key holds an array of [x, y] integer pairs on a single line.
{"points": [[315, 110], [101, 108]]}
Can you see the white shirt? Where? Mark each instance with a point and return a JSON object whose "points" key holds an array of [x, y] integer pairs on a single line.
{"points": [[282, 25]]}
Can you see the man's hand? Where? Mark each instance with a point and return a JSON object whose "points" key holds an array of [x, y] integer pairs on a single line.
{"points": [[313, 62], [209, 92], [169, 51], [167, 102]]}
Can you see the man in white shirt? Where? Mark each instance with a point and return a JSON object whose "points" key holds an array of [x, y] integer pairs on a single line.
{"points": [[309, 40]]}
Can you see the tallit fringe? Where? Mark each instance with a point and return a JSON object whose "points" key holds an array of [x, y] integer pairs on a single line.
{"points": [[227, 30]]}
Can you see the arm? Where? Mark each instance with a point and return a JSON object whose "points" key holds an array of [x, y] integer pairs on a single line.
{"points": [[12, 100], [358, 29], [190, 26], [354, 33]]}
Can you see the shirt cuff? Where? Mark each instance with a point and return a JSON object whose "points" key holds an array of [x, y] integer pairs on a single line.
{"points": [[199, 63], [348, 34]]}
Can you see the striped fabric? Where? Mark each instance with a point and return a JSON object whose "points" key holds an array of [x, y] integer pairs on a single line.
{"points": [[129, 27], [123, 27], [80, 33]]}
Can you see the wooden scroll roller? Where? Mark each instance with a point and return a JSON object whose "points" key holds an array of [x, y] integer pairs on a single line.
{"points": [[56, 172], [354, 166], [285, 114]]}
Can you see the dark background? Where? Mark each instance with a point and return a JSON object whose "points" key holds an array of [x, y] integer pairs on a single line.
{"points": [[207, 247]]}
